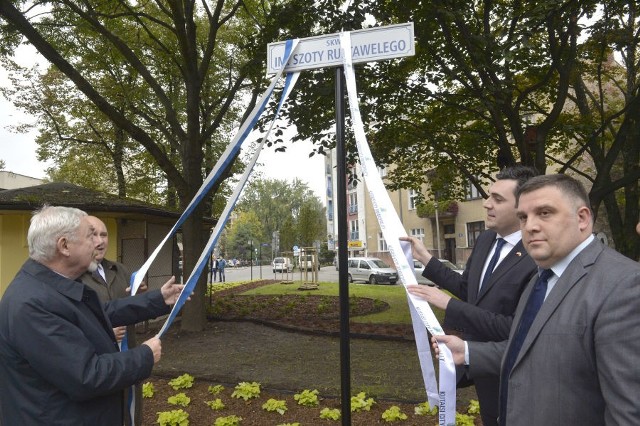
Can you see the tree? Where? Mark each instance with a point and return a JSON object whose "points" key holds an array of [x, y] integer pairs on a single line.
{"points": [[281, 207], [492, 84], [71, 131], [605, 122], [289, 210], [173, 76], [312, 225], [514, 80], [245, 232]]}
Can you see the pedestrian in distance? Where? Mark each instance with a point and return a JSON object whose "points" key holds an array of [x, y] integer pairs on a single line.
{"points": [[222, 264], [214, 269]]}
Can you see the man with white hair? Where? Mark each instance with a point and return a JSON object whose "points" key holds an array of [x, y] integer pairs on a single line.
{"points": [[59, 358]]}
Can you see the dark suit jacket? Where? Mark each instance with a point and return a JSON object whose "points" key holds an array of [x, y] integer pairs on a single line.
{"points": [[59, 361], [579, 362], [484, 315]]}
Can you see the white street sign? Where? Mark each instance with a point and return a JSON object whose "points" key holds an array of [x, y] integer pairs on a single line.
{"points": [[368, 45]]}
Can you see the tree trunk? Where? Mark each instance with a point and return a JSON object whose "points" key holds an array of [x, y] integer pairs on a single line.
{"points": [[194, 313]]}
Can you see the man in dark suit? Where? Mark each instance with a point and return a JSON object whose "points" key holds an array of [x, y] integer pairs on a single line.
{"points": [[59, 359], [489, 288], [572, 354], [111, 281]]}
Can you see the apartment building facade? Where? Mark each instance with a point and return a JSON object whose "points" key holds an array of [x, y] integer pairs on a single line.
{"points": [[448, 231]]}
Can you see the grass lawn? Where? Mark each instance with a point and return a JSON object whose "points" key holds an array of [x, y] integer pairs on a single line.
{"points": [[394, 295]]}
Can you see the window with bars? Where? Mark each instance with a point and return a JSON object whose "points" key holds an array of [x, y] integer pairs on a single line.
{"points": [[354, 233], [473, 230], [413, 196], [382, 243], [418, 233]]}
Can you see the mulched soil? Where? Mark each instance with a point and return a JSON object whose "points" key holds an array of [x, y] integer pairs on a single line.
{"points": [[252, 413], [298, 315], [303, 313]]}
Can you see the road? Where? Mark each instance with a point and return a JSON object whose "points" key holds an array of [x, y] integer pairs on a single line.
{"points": [[246, 273]]}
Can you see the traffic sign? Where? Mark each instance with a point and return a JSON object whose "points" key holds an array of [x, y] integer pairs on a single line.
{"points": [[368, 45]]}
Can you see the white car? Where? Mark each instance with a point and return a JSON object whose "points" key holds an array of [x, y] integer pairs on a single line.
{"points": [[418, 267], [282, 264]]}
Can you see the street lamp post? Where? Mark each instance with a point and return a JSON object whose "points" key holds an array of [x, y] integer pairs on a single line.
{"points": [[260, 257]]}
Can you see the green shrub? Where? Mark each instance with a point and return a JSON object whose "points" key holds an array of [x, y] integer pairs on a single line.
{"points": [[393, 414], [474, 407], [465, 420], [173, 418], [246, 390], [179, 399], [276, 405], [361, 402], [232, 420], [215, 390], [216, 404], [330, 414], [424, 409], [181, 382], [307, 398], [148, 390]]}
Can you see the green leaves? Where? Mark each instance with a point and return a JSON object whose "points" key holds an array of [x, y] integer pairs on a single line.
{"points": [[148, 390], [360, 402], [246, 390], [279, 406], [307, 398], [393, 414], [182, 382], [173, 418], [180, 399]]}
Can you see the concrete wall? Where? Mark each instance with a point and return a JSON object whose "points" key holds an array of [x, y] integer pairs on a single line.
{"points": [[10, 180]]}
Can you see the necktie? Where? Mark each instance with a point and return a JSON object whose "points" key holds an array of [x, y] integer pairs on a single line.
{"points": [[493, 262], [99, 273], [528, 315]]}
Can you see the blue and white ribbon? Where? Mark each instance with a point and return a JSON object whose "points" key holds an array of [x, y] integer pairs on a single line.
{"points": [[392, 229], [290, 82], [222, 163]]}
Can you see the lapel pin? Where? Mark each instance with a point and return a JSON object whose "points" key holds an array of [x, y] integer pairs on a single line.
{"points": [[518, 254]]}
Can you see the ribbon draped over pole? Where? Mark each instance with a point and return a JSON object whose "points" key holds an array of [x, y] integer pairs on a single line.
{"points": [[421, 313], [222, 220], [226, 157]]}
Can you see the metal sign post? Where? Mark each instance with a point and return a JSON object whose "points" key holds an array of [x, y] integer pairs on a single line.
{"points": [[368, 45]]}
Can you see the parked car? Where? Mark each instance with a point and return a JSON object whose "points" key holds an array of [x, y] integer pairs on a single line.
{"points": [[371, 270], [418, 267], [282, 264], [307, 262]]}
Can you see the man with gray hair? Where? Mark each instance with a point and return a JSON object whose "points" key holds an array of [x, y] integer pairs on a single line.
{"points": [[59, 358]]}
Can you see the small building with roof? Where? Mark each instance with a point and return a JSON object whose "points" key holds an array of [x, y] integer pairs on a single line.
{"points": [[135, 228]]}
